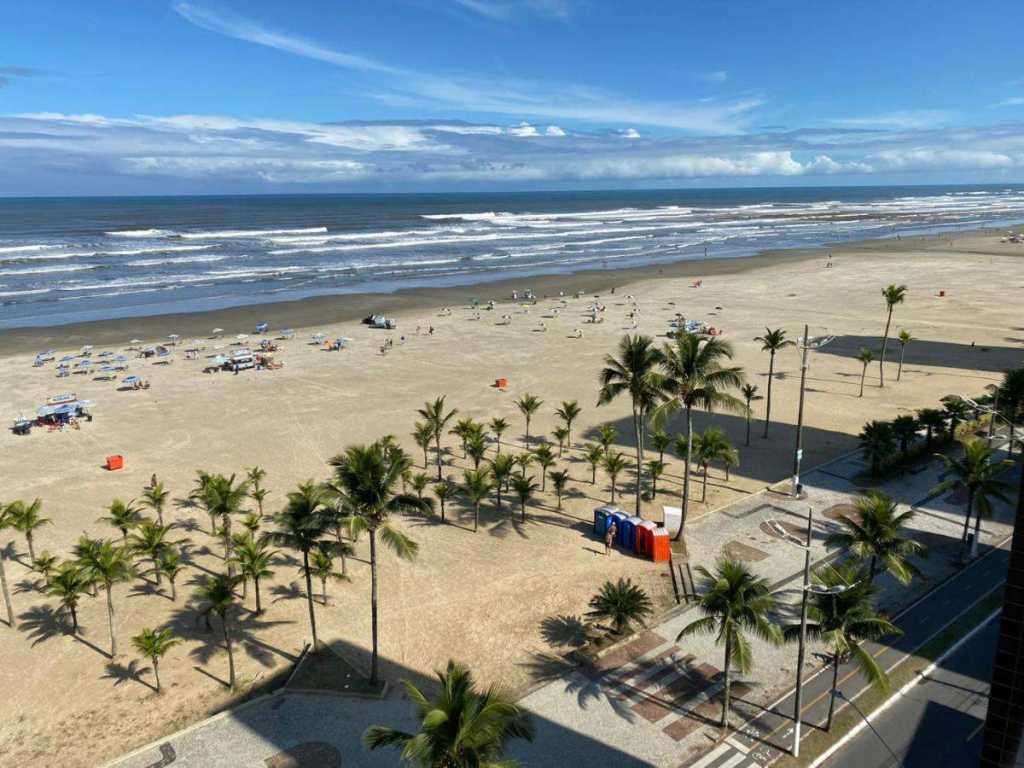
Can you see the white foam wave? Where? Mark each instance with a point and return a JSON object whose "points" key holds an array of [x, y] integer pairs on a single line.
{"points": [[29, 292], [140, 233], [25, 248], [242, 233], [158, 249], [46, 270], [179, 260]]}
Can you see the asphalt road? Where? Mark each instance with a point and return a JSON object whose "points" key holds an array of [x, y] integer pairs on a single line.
{"points": [[938, 721]]}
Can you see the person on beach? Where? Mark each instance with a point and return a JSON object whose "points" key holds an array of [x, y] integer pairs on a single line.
{"points": [[609, 538]]}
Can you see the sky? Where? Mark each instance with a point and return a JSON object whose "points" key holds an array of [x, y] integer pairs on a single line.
{"points": [[214, 96]]}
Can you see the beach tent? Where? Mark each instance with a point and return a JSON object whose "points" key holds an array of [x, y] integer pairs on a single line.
{"points": [[262, 327], [287, 333], [242, 337], [86, 350], [130, 381], [67, 358], [173, 337], [105, 353]]}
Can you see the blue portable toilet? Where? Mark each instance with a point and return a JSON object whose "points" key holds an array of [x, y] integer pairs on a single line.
{"points": [[617, 516], [600, 521], [627, 532]]}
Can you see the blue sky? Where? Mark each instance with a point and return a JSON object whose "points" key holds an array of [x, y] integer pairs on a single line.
{"points": [[216, 96]]}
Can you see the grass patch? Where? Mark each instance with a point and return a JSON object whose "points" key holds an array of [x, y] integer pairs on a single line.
{"points": [[817, 742]]}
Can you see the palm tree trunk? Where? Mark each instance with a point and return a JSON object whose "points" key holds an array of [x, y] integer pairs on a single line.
{"points": [[323, 592], [426, 458], [686, 472], [593, 474], [613, 490], [74, 619], [977, 534], [256, 589], [476, 516], [111, 620], [967, 522], [230, 650], [638, 429], [7, 593], [881, 356], [863, 374], [174, 590], [527, 431], [309, 596], [522, 504], [748, 425], [728, 681], [156, 673], [156, 570], [899, 371], [373, 604], [437, 452], [31, 547], [227, 545], [768, 400], [704, 486], [832, 698]]}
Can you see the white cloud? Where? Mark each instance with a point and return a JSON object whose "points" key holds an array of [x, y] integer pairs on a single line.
{"points": [[523, 129], [554, 130], [925, 157], [1010, 101], [909, 119], [629, 133], [503, 10]]}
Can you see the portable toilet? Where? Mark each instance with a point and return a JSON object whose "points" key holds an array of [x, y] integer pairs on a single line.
{"points": [[600, 521], [617, 516], [645, 538], [627, 533], [661, 546]]}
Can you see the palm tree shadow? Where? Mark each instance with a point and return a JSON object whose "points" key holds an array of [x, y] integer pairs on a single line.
{"points": [[127, 673], [564, 631], [587, 684], [43, 622], [293, 591], [145, 588], [503, 528]]}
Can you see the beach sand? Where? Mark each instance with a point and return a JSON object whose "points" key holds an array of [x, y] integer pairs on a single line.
{"points": [[479, 598]]}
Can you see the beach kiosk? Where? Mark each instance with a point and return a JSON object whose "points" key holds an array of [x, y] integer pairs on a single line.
{"points": [[627, 532], [601, 515]]}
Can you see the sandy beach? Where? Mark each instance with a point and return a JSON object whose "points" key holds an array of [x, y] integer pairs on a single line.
{"points": [[479, 598]]}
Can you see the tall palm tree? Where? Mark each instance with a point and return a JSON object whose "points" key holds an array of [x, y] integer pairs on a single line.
{"points": [[595, 457], [434, 414], [975, 472], [749, 393], [445, 492], [476, 447], [255, 475], [660, 441], [150, 540], [218, 594], [477, 485], [26, 519], [613, 463], [322, 566], [734, 603], [259, 495], [499, 427], [606, 435], [68, 583], [655, 469], [6, 521], [304, 525], [568, 412], [841, 615], [155, 498], [423, 434], [864, 357], [107, 564], [461, 728], [463, 429], [524, 488], [956, 411], [528, 405], [224, 499], [559, 481], [254, 557], [634, 372], [153, 644], [933, 420], [878, 441], [905, 338], [696, 377], [561, 434], [502, 467], [893, 295], [622, 603], [904, 429], [364, 480], [879, 537], [772, 342], [710, 446], [171, 565], [544, 457], [123, 516]]}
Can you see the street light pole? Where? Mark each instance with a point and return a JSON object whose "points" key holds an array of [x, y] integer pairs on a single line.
{"points": [[798, 707], [798, 454]]}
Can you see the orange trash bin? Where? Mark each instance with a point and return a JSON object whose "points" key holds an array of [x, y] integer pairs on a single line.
{"points": [[115, 462]]}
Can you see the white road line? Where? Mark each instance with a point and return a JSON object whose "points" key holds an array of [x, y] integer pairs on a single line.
{"points": [[717, 753]]}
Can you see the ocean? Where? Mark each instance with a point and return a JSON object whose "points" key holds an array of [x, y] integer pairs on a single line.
{"points": [[65, 260]]}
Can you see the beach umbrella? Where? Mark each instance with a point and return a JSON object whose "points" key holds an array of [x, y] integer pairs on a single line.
{"points": [[173, 337], [121, 359], [218, 330], [242, 336], [67, 358]]}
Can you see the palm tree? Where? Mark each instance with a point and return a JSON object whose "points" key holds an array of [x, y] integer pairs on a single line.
{"points": [[655, 469], [153, 644], [749, 393], [255, 477], [893, 295], [419, 483], [68, 583], [463, 429], [502, 466], [528, 405], [155, 498], [933, 420], [254, 557], [634, 371], [712, 445], [477, 485], [695, 377], [150, 540], [568, 412], [524, 488], [322, 566], [254, 520], [543, 455], [44, 565], [364, 480], [433, 413], [976, 472], [200, 495], [878, 537], [878, 441], [461, 728], [122, 516], [259, 495], [614, 462], [772, 342], [523, 461], [303, 525], [218, 592], [476, 446], [445, 491], [561, 434], [224, 498], [6, 521], [905, 338], [423, 434], [606, 435], [559, 480], [660, 441], [595, 457], [26, 519], [735, 602], [864, 357], [1011, 397], [107, 564], [904, 429], [171, 566], [955, 410], [622, 603], [498, 427], [841, 615]]}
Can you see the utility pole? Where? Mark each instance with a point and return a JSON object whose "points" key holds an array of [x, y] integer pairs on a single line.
{"points": [[798, 454], [798, 707]]}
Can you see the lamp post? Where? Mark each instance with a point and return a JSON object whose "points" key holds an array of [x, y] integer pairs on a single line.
{"points": [[995, 415], [807, 344]]}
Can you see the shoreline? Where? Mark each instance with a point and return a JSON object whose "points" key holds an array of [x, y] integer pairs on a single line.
{"points": [[312, 311]]}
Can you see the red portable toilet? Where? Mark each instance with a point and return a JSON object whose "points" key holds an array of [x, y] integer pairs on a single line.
{"points": [[661, 546], [645, 538]]}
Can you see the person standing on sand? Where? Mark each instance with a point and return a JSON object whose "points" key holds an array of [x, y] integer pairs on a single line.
{"points": [[609, 537]]}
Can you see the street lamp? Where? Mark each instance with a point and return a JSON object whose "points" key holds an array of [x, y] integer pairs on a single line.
{"points": [[807, 344], [995, 414]]}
